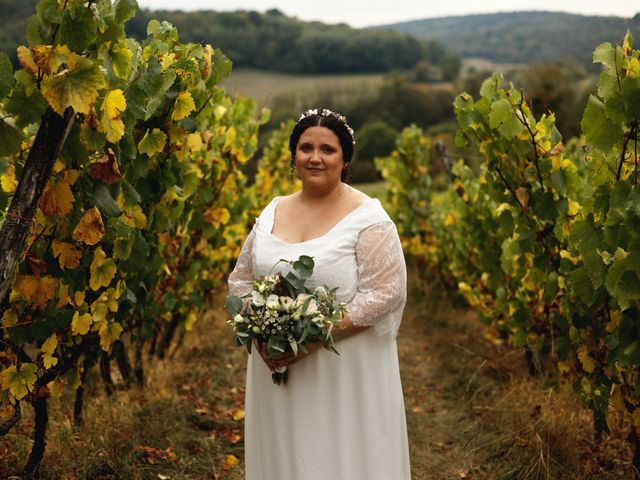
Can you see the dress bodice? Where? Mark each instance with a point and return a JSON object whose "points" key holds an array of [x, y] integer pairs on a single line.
{"points": [[333, 253], [361, 255]]}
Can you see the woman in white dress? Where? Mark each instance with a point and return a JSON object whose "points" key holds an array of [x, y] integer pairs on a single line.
{"points": [[339, 417]]}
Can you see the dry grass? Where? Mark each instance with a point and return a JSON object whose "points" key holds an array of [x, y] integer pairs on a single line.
{"points": [[180, 426], [473, 413]]}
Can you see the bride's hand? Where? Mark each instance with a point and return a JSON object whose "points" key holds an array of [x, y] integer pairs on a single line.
{"points": [[289, 359], [270, 362]]}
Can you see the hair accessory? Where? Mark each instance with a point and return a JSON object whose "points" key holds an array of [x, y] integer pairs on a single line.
{"points": [[325, 112]]}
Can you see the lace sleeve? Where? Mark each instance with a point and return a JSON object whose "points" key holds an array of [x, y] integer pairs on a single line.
{"points": [[241, 277], [382, 290]]}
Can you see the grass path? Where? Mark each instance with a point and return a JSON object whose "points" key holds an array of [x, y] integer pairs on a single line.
{"points": [[472, 412]]}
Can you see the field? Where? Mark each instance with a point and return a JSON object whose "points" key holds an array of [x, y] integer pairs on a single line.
{"points": [[264, 86]]}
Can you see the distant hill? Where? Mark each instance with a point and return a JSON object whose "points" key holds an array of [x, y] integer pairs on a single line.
{"points": [[271, 41], [522, 37]]}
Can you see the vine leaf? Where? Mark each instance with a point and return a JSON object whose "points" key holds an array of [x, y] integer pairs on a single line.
{"points": [[106, 168], [90, 228], [68, 255], [153, 142], [10, 139], [102, 269], [109, 333], [183, 107], [6, 75], [80, 323], [76, 86], [37, 290], [110, 122], [48, 348], [599, 130], [19, 382], [57, 199]]}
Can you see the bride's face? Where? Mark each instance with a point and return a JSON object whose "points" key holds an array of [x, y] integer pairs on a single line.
{"points": [[319, 160]]}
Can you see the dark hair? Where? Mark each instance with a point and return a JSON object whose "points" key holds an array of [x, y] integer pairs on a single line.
{"points": [[333, 123]]}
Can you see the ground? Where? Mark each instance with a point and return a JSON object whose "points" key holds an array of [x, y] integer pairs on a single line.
{"points": [[473, 412]]}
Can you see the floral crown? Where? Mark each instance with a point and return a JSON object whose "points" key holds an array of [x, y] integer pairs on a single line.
{"points": [[325, 112]]}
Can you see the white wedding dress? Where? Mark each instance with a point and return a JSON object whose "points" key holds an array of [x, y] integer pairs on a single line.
{"points": [[339, 417]]}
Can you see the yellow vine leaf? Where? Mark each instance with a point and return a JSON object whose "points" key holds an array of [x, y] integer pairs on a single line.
{"points": [[194, 142], [55, 388], [48, 348], [57, 199], [80, 323], [109, 298], [37, 290], [168, 59], [217, 216], [9, 318], [71, 176], [134, 217], [8, 180], [109, 333], [25, 57], [63, 295], [100, 311], [588, 364], [68, 255], [207, 53], [76, 86], [574, 207], [48, 58], [183, 107], [102, 269], [90, 228], [110, 122], [450, 219], [78, 298], [19, 381]]}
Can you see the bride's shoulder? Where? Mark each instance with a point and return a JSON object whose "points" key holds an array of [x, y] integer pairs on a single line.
{"points": [[357, 197]]}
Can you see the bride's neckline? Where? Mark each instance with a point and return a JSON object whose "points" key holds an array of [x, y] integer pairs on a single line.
{"points": [[273, 221]]}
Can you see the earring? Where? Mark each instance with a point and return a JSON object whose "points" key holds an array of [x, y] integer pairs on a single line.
{"points": [[292, 172]]}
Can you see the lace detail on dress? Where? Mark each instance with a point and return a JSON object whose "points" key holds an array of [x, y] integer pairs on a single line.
{"points": [[382, 286], [241, 278]]}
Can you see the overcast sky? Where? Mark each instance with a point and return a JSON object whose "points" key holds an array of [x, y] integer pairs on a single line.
{"points": [[361, 13]]}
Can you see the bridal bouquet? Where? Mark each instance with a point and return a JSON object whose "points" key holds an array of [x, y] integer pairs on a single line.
{"points": [[283, 314]]}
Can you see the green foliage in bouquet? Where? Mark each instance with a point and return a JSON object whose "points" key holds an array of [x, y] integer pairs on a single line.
{"points": [[281, 312]]}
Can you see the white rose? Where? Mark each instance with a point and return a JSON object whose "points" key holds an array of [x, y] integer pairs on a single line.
{"points": [[273, 302], [287, 303], [312, 308], [320, 291], [300, 299], [257, 299]]}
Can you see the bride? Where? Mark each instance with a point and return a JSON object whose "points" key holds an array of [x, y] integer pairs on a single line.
{"points": [[339, 417]]}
